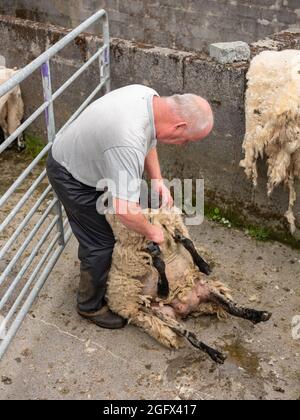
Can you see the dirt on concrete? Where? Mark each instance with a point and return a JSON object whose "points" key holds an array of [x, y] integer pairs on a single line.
{"points": [[58, 355]]}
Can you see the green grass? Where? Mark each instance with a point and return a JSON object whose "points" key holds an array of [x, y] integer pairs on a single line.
{"points": [[34, 145], [217, 215], [258, 233], [230, 219]]}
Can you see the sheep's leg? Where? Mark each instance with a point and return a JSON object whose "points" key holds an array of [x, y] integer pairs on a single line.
{"points": [[21, 142], [15, 114], [236, 310], [190, 247], [3, 121], [149, 322], [163, 284], [179, 329]]}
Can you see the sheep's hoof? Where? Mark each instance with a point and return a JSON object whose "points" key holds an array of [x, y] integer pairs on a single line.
{"points": [[259, 316], [216, 356], [21, 147], [205, 268]]}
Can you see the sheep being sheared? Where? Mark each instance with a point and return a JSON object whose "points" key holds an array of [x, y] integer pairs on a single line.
{"points": [[154, 287], [273, 121], [11, 107]]}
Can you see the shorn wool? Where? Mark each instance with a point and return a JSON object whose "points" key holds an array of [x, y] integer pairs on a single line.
{"points": [[273, 121]]}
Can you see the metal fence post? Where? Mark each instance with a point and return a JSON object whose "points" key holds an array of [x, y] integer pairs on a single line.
{"points": [[51, 131], [105, 67]]}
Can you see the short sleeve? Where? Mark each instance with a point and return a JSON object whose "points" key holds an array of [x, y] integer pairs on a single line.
{"points": [[153, 144], [123, 169]]}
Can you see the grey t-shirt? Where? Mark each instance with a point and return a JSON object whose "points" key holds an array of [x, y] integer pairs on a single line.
{"points": [[110, 140]]}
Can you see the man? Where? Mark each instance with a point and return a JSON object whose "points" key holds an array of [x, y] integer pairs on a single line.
{"points": [[117, 134]]}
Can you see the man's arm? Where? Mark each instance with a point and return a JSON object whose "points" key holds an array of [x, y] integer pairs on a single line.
{"points": [[152, 167], [130, 215]]}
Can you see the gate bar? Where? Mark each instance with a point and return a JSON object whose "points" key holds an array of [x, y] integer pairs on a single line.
{"points": [[77, 74], [29, 301], [27, 241], [84, 104], [22, 127], [22, 74], [23, 270], [39, 61], [45, 105], [31, 279], [23, 200], [51, 132], [24, 174], [21, 226]]}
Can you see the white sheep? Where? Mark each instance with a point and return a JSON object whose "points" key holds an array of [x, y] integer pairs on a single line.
{"points": [[11, 106], [136, 271], [273, 121]]}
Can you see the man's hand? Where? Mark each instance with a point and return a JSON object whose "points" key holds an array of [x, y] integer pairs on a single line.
{"points": [[156, 235], [164, 193], [130, 214], [152, 168]]}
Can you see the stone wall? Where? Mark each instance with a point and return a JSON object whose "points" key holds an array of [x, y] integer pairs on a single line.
{"points": [[181, 24], [215, 159]]}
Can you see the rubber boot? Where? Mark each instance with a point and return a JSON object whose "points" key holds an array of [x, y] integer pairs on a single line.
{"points": [[91, 304]]}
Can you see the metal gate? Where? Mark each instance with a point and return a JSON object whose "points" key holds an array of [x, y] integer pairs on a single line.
{"points": [[27, 255]]}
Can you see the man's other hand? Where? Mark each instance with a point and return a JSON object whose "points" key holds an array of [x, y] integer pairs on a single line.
{"points": [[164, 193], [130, 214]]}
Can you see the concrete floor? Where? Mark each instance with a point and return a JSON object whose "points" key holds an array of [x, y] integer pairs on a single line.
{"points": [[57, 355]]}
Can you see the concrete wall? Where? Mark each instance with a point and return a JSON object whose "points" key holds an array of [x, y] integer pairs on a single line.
{"points": [[215, 159], [182, 24]]}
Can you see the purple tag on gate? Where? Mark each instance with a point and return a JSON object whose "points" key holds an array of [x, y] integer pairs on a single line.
{"points": [[45, 72], [45, 75], [106, 55]]}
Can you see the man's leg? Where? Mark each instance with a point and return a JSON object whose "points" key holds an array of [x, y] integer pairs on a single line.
{"points": [[91, 291], [96, 243]]}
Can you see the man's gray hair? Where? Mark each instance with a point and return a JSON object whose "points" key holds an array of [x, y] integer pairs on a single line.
{"points": [[188, 108]]}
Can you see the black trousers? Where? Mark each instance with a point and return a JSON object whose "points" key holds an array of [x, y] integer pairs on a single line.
{"points": [[94, 234]]}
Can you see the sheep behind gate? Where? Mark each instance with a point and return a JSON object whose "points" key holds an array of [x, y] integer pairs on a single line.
{"points": [[132, 290], [11, 107]]}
